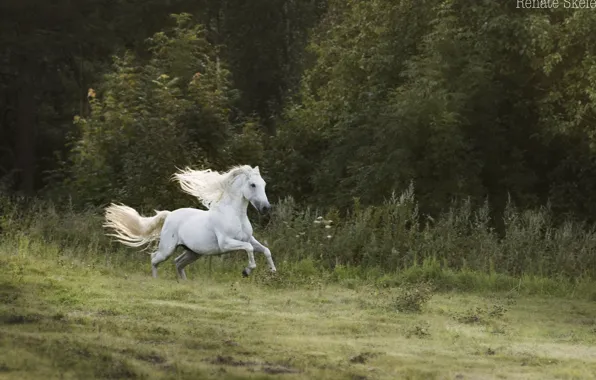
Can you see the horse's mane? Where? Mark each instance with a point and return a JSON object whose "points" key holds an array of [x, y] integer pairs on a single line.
{"points": [[209, 186]]}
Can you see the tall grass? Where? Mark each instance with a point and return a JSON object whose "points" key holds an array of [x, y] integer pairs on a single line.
{"points": [[394, 237], [392, 241]]}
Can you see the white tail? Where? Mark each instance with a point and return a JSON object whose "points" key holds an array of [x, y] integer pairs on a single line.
{"points": [[132, 229]]}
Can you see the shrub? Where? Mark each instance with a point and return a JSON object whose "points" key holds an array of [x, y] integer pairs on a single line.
{"points": [[412, 298]]}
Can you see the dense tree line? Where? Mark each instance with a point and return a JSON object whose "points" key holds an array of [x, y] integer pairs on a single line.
{"points": [[335, 99]]}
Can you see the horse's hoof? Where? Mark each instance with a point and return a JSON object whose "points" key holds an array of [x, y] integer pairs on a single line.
{"points": [[244, 273]]}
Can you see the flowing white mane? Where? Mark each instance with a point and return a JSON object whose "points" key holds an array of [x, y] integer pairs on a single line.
{"points": [[209, 186]]}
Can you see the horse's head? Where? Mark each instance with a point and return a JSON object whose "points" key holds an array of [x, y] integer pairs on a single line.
{"points": [[253, 190]]}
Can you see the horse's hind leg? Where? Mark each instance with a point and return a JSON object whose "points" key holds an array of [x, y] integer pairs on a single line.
{"points": [[164, 251], [183, 260]]}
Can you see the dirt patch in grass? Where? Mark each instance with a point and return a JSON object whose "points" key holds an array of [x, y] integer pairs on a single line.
{"points": [[20, 319], [278, 370], [230, 361], [268, 368], [362, 357]]}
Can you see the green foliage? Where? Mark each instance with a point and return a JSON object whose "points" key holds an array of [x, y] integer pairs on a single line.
{"points": [[395, 238], [468, 99], [173, 111], [328, 132], [45, 72]]}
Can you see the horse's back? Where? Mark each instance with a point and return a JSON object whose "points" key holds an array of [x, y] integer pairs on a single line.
{"points": [[186, 212], [178, 219]]}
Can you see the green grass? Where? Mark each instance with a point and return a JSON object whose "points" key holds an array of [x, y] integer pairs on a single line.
{"points": [[66, 318]]}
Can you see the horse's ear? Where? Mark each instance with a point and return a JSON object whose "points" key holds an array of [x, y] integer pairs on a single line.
{"points": [[256, 169]]}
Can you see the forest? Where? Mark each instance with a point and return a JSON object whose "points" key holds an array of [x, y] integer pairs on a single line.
{"points": [[335, 100]]}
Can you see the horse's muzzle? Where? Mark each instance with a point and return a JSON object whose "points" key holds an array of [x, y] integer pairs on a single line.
{"points": [[265, 209]]}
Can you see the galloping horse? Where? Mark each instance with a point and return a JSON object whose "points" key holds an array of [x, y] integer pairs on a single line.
{"points": [[223, 228]]}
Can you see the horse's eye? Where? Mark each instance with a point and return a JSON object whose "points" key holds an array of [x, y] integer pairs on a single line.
{"points": [[253, 185]]}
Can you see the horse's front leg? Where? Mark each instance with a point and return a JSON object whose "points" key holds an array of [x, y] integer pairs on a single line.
{"points": [[233, 245], [258, 247]]}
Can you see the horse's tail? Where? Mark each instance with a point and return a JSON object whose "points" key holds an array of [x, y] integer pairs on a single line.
{"points": [[132, 229]]}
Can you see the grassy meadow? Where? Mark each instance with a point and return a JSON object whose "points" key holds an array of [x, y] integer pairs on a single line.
{"points": [[76, 306]]}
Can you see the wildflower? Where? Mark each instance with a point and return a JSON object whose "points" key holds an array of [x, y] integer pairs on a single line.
{"points": [[327, 226], [329, 236]]}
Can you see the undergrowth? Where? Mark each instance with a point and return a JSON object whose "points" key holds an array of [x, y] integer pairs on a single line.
{"points": [[387, 246]]}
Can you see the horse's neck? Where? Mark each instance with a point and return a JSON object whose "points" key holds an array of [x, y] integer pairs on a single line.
{"points": [[233, 205]]}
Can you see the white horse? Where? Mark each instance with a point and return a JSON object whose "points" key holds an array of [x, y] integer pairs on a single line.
{"points": [[223, 228]]}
